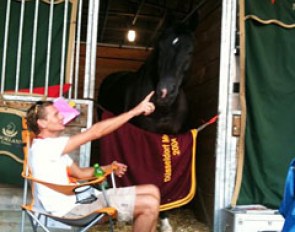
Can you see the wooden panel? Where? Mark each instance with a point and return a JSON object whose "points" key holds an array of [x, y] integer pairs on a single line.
{"points": [[109, 60], [118, 53], [202, 92]]}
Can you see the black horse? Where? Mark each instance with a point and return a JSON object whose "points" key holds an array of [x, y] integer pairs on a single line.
{"points": [[165, 72]]}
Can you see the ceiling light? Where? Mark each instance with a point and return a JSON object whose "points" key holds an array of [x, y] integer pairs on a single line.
{"points": [[131, 35]]}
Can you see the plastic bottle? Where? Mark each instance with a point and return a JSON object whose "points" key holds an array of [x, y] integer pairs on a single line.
{"points": [[98, 172]]}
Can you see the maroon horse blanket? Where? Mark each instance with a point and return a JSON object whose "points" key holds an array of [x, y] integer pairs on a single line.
{"points": [[167, 161]]}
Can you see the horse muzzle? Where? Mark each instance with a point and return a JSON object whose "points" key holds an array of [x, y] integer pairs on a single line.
{"points": [[165, 100]]}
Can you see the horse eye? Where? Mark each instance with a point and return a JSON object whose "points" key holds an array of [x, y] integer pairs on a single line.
{"points": [[175, 41]]}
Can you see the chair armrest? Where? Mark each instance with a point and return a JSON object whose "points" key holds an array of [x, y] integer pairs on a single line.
{"points": [[67, 189]]}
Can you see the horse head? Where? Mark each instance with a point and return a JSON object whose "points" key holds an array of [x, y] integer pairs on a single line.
{"points": [[164, 72], [173, 54]]}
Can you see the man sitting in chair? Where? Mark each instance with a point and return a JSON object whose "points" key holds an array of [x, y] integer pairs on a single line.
{"points": [[49, 161]]}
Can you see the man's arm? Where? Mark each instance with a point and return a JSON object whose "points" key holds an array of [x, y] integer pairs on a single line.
{"points": [[87, 172], [107, 126]]}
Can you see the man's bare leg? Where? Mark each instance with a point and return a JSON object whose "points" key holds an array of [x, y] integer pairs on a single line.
{"points": [[146, 209]]}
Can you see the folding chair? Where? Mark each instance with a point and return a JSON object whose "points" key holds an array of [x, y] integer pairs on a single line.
{"points": [[39, 217]]}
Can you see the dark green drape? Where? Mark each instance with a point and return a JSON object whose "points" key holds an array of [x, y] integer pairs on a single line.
{"points": [[270, 100], [11, 143], [42, 40]]}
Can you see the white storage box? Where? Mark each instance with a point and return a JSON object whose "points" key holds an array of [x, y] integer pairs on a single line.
{"points": [[252, 221]]}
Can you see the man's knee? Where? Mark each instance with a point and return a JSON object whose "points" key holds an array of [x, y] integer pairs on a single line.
{"points": [[148, 200], [152, 205], [148, 204], [155, 192]]}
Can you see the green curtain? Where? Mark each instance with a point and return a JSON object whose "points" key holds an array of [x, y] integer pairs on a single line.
{"points": [[11, 148], [270, 100], [41, 47]]}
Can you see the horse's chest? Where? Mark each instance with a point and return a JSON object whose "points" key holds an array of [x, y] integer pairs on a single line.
{"points": [[166, 123]]}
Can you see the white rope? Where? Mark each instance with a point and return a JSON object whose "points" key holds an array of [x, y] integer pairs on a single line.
{"points": [[11, 156], [270, 21]]}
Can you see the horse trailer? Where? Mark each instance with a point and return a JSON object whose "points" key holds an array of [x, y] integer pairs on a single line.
{"points": [[55, 48]]}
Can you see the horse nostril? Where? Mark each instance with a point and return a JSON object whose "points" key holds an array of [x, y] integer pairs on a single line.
{"points": [[164, 93]]}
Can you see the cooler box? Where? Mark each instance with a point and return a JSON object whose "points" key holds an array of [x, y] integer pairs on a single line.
{"points": [[239, 220]]}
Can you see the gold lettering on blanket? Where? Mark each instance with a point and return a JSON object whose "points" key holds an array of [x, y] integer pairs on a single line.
{"points": [[167, 162], [170, 147], [175, 147]]}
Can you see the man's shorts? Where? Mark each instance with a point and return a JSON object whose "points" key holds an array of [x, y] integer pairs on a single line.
{"points": [[122, 199]]}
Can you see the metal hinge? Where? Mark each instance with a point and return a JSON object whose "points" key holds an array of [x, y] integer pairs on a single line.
{"points": [[236, 125]]}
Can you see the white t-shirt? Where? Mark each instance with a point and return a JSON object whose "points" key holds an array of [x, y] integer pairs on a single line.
{"points": [[49, 164]]}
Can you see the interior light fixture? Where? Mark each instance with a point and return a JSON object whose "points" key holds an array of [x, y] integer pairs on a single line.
{"points": [[131, 35]]}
